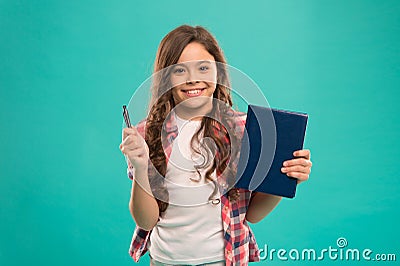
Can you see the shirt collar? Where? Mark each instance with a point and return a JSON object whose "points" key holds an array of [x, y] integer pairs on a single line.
{"points": [[170, 125]]}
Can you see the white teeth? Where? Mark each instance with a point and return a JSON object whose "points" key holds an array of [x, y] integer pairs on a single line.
{"points": [[193, 92]]}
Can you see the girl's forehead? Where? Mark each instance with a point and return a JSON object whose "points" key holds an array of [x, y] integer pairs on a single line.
{"points": [[193, 52]]}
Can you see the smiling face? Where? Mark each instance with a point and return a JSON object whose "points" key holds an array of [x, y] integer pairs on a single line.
{"points": [[194, 80]]}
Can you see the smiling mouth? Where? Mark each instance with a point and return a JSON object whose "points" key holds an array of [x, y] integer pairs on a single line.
{"points": [[193, 92]]}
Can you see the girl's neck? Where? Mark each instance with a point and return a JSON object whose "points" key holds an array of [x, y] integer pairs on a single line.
{"points": [[192, 114]]}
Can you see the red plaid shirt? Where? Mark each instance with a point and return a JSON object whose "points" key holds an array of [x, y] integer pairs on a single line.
{"points": [[240, 244]]}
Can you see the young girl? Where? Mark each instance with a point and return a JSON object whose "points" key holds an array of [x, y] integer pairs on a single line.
{"points": [[186, 209]]}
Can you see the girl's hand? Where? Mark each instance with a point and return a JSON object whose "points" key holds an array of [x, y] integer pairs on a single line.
{"points": [[298, 168], [135, 148]]}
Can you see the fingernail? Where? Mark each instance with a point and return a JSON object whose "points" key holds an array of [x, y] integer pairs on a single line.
{"points": [[283, 169], [285, 163]]}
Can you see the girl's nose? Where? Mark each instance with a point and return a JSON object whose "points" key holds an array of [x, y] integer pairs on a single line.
{"points": [[188, 82]]}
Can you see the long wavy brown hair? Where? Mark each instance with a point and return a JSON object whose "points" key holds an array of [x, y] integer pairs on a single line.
{"points": [[162, 103]]}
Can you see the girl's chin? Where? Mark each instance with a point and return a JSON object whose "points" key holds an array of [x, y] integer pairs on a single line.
{"points": [[195, 102]]}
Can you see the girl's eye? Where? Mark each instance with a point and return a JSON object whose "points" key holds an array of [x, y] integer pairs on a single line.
{"points": [[179, 70], [203, 68]]}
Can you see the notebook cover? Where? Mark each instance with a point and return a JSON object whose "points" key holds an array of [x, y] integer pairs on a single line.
{"points": [[260, 161]]}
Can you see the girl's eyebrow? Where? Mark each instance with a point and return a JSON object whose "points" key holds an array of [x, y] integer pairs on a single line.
{"points": [[204, 61], [180, 65], [198, 62]]}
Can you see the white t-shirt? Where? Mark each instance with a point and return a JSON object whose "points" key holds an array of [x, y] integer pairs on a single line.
{"points": [[190, 231]]}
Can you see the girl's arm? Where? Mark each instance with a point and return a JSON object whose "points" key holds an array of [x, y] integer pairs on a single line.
{"points": [[142, 205], [261, 205]]}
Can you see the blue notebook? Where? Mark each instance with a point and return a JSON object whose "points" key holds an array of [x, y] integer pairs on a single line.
{"points": [[270, 138]]}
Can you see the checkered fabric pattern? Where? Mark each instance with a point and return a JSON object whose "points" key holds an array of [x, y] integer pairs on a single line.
{"points": [[240, 244]]}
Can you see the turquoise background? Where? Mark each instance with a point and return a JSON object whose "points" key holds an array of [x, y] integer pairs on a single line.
{"points": [[67, 67]]}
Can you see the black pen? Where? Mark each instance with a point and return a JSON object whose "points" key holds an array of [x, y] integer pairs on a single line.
{"points": [[126, 116]]}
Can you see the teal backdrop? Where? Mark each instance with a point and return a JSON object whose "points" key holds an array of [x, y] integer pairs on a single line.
{"points": [[67, 67]]}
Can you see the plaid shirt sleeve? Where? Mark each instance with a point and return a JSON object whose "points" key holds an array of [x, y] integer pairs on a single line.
{"points": [[240, 244], [139, 243]]}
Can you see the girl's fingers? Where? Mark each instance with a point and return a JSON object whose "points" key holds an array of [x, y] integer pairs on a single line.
{"points": [[135, 153], [126, 141], [298, 176], [129, 149], [302, 153], [129, 131], [132, 144], [132, 141], [296, 168], [298, 161]]}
